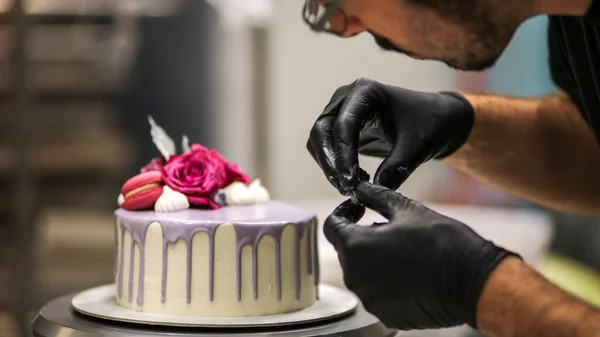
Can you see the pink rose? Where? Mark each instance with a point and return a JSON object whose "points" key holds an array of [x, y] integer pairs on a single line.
{"points": [[200, 173], [155, 164]]}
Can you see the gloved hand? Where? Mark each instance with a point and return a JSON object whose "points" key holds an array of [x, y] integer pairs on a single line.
{"points": [[421, 270], [406, 127]]}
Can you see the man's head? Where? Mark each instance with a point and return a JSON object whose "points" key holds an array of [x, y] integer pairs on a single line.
{"points": [[465, 34]]}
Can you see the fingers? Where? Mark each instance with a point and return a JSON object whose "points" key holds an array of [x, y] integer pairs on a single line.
{"points": [[320, 142], [364, 176], [341, 223], [380, 199], [397, 167], [333, 141], [320, 146], [358, 108], [373, 142]]}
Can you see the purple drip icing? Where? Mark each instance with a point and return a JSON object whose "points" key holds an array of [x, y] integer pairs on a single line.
{"points": [[309, 244], [116, 257], [250, 234], [121, 263], [175, 231], [299, 235], [211, 271], [255, 271], [278, 268], [142, 272], [315, 234], [315, 257], [165, 266], [138, 236], [188, 280], [131, 263], [251, 223]]}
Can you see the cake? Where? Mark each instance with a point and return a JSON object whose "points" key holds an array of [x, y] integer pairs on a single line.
{"points": [[194, 237]]}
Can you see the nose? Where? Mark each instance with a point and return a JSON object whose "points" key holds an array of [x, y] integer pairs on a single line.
{"points": [[354, 27]]}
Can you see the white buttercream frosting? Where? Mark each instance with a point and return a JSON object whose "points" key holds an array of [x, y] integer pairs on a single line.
{"points": [[171, 201], [121, 199], [238, 193]]}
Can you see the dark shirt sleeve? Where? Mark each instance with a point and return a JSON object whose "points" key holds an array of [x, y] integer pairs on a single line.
{"points": [[560, 71], [574, 54], [593, 13]]}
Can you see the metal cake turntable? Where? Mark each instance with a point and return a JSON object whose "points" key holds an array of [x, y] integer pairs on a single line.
{"points": [[95, 313]]}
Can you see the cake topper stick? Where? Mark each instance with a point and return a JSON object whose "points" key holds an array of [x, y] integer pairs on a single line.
{"points": [[163, 142], [185, 143]]}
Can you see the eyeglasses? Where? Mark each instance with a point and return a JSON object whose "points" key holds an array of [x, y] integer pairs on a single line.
{"points": [[318, 16]]}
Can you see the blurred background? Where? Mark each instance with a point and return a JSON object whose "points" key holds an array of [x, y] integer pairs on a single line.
{"points": [[247, 77]]}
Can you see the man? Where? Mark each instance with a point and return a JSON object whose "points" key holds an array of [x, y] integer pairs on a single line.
{"points": [[422, 269]]}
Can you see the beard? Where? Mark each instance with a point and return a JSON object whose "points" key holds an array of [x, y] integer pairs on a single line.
{"points": [[478, 48], [469, 61]]}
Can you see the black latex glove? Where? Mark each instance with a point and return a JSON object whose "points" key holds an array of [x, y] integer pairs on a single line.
{"points": [[421, 270], [406, 127]]}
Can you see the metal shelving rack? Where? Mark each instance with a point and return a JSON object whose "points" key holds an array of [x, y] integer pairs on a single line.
{"points": [[21, 256], [20, 100]]}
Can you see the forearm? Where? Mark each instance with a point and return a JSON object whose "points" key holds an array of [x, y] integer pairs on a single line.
{"points": [[538, 149], [517, 301]]}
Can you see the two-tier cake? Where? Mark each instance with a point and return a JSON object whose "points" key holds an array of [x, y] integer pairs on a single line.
{"points": [[195, 237]]}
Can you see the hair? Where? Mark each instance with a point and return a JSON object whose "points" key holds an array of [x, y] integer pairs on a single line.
{"points": [[459, 10]]}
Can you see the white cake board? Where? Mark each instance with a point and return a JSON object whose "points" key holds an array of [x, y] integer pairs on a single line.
{"points": [[100, 302]]}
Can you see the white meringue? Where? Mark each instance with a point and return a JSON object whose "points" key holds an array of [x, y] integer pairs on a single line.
{"points": [[237, 193], [261, 195], [121, 199], [171, 201]]}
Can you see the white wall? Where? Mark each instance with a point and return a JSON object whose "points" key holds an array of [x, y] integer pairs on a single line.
{"points": [[306, 68], [234, 119]]}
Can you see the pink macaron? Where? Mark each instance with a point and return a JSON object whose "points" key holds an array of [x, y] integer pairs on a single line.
{"points": [[142, 191]]}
